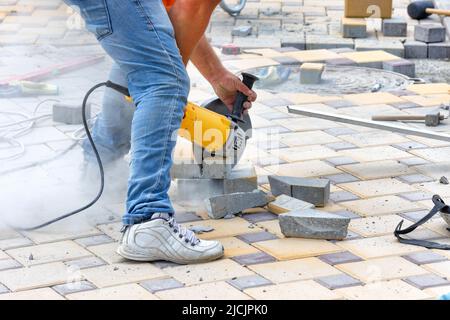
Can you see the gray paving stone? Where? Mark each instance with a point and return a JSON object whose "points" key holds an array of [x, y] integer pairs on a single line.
{"points": [[187, 217], [94, 240], [203, 188], [338, 146], [315, 191], [415, 178], [161, 284], [426, 281], [3, 289], [294, 42], [186, 171], [9, 264], [396, 27], [341, 178], [402, 66], [314, 224], [241, 179], [394, 47], [415, 161], [415, 50], [259, 217], [347, 214], [69, 114], [414, 215], [68, 288], [429, 33], [215, 168], [425, 257], [323, 41], [339, 258], [340, 131], [220, 206], [350, 30], [340, 161], [257, 237], [253, 258], [242, 31], [439, 50], [338, 281], [403, 105], [85, 263], [416, 196], [341, 196], [247, 282]]}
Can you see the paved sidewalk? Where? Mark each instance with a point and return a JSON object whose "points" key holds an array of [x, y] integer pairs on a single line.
{"points": [[379, 178]]}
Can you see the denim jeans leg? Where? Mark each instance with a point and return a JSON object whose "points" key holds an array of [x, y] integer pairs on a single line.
{"points": [[138, 35], [112, 129]]}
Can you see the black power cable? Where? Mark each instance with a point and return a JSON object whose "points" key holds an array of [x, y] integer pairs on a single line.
{"points": [[97, 156]]}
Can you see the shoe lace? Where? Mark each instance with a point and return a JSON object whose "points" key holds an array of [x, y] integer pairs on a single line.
{"points": [[183, 232]]}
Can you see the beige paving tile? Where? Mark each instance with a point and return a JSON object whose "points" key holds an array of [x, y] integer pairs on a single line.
{"points": [[235, 247], [387, 290], [300, 290], [50, 252], [433, 143], [434, 170], [304, 99], [381, 269], [374, 154], [3, 255], [313, 55], [437, 292], [377, 169], [305, 153], [272, 226], [305, 169], [429, 88], [224, 228], [208, 291], [269, 53], [112, 230], [107, 252], [376, 226], [378, 247], [367, 111], [298, 139], [440, 268], [208, 272], [294, 270], [305, 124], [46, 236], [439, 226], [44, 275], [436, 188], [380, 206], [374, 138], [245, 64], [36, 294], [290, 248], [369, 56], [427, 101], [434, 154], [121, 273], [373, 98], [124, 292], [378, 187]]}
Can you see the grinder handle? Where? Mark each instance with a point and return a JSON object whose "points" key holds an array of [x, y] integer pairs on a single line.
{"points": [[238, 107]]}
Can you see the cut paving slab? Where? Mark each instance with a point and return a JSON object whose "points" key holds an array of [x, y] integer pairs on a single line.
{"points": [[220, 206], [313, 224], [311, 73], [314, 191], [430, 33], [284, 203], [243, 178], [403, 66]]}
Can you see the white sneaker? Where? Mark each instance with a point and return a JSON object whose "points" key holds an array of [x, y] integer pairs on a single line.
{"points": [[163, 239]]}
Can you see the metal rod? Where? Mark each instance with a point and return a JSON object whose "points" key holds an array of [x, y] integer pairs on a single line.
{"points": [[369, 123]]}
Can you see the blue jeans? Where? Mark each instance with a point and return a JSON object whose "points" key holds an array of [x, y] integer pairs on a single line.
{"points": [[139, 37]]}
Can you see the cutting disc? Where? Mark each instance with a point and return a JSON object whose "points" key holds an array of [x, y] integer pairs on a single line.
{"points": [[219, 107]]}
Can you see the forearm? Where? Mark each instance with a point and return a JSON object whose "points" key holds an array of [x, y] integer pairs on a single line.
{"points": [[190, 19], [206, 60]]}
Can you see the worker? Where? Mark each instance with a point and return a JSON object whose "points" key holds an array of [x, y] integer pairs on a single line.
{"points": [[151, 46]]}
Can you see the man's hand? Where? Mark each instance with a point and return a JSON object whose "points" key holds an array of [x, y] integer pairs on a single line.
{"points": [[226, 85]]}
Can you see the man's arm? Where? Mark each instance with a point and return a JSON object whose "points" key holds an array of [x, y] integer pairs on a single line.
{"points": [[225, 83]]}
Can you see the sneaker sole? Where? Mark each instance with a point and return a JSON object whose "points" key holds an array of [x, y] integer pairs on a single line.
{"points": [[146, 258]]}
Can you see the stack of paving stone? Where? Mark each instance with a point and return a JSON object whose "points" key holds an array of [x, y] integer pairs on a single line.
{"points": [[295, 204], [225, 191], [429, 42]]}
